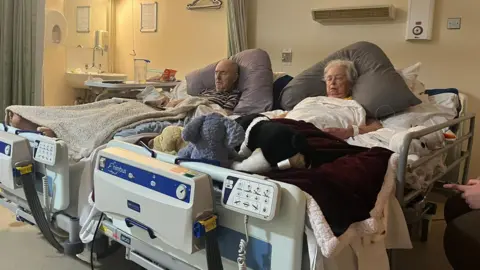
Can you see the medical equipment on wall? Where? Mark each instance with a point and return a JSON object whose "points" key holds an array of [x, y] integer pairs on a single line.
{"points": [[33, 166], [168, 207], [420, 19]]}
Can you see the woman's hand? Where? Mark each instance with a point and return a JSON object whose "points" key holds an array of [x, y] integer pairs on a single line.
{"points": [[342, 133], [374, 125], [470, 192]]}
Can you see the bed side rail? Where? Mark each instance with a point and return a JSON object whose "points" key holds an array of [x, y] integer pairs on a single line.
{"points": [[404, 167]]}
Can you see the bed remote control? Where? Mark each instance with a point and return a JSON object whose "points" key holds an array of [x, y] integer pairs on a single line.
{"points": [[46, 152], [253, 197]]}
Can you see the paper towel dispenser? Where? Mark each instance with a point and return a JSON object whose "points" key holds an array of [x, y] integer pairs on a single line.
{"points": [[55, 27]]}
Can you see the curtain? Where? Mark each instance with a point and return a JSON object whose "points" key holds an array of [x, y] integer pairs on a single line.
{"points": [[17, 52], [237, 26]]}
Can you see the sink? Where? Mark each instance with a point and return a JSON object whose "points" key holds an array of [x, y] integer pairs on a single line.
{"points": [[77, 80]]}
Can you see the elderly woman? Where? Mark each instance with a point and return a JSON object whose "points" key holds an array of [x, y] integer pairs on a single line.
{"points": [[340, 76]]}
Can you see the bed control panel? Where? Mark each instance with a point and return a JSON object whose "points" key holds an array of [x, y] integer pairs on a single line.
{"points": [[253, 196], [46, 152], [50, 156]]}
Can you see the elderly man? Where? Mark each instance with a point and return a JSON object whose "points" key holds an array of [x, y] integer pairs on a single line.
{"points": [[224, 94]]}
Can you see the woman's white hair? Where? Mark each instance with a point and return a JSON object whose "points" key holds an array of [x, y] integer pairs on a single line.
{"points": [[350, 69]]}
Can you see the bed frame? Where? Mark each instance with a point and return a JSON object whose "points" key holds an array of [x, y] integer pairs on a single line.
{"points": [[413, 203]]}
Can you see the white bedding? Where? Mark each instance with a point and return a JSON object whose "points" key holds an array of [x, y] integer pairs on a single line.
{"points": [[325, 112]]}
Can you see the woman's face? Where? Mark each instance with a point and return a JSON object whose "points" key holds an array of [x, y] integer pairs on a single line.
{"points": [[338, 85]]}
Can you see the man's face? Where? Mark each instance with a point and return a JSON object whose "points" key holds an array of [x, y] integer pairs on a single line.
{"points": [[225, 76]]}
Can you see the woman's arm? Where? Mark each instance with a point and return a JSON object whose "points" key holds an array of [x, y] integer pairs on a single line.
{"points": [[370, 126], [345, 133]]}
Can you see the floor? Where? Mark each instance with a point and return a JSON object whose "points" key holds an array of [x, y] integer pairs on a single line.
{"points": [[22, 248]]}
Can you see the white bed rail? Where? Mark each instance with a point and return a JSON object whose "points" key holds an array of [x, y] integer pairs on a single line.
{"points": [[404, 167]]}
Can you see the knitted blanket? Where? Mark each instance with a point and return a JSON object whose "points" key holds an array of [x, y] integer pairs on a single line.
{"points": [[85, 127], [347, 187]]}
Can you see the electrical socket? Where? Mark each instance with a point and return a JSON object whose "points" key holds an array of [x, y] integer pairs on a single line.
{"points": [[287, 56], [454, 23]]}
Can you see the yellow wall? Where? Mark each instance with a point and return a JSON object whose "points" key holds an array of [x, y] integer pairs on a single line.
{"points": [[185, 40], [98, 21], [79, 57], [55, 89], [59, 58], [449, 60]]}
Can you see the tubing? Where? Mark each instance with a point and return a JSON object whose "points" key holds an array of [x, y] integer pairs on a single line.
{"points": [[35, 205]]}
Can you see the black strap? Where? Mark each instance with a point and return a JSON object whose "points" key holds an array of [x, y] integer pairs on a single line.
{"points": [[214, 259]]}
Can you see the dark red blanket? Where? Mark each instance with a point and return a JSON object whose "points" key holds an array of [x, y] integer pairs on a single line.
{"points": [[344, 179]]}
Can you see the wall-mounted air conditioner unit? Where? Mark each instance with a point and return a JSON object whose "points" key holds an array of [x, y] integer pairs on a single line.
{"points": [[354, 14]]}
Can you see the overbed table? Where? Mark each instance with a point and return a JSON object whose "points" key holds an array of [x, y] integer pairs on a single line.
{"points": [[104, 90]]}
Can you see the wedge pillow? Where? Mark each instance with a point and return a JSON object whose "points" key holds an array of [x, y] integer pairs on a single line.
{"points": [[255, 81], [379, 88]]}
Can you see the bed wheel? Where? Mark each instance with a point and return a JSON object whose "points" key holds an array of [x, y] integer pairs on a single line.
{"points": [[73, 249]]}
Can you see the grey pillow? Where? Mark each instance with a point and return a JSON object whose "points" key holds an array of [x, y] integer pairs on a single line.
{"points": [[379, 88], [255, 81]]}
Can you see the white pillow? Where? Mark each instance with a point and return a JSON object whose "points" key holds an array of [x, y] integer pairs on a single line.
{"points": [[410, 76], [180, 91], [448, 100], [420, 115]]}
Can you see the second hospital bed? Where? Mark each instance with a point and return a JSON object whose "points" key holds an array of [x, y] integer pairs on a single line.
{"points": [[72, 184]]}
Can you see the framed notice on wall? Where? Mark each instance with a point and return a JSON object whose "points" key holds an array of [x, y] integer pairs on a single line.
{"points": [[148, 17], [83, 19]]}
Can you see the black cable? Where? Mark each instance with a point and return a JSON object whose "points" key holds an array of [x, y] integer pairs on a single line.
{"points": [[93, 241]]}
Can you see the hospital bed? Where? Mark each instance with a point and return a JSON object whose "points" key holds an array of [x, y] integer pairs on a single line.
{"points": [[68, 185]]}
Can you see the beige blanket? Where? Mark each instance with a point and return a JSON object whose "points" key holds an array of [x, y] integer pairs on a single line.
{"points": [[85, 127]]}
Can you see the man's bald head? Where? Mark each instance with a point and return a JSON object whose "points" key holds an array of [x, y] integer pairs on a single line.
{"points": [[226, 74]]}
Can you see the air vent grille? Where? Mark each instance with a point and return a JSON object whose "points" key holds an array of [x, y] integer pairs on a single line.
{"points": [[372, 13]]}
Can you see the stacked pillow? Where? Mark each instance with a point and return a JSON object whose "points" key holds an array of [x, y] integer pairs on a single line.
{"points": [[410, 76], [380, 89]]}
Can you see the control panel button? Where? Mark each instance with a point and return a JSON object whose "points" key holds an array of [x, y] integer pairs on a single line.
{"points": [[237, 201], [229, 184]]}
